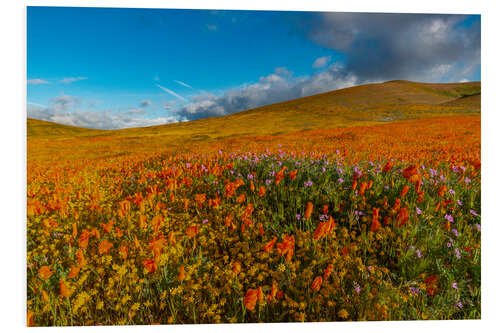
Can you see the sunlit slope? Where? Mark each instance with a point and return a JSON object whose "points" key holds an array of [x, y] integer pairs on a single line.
{"points": [[41, 129], [356, 106]]}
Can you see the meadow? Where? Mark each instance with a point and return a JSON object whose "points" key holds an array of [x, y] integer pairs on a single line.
{"points": [[364, 222]]}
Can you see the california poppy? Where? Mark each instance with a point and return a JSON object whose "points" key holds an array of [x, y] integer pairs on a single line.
{"points": [[236, 268], [65, 289], [104, 246], [150, 265], [44, 272], [316, 285], [250, 299], [309, 210], [192, 231], [269, 245]]}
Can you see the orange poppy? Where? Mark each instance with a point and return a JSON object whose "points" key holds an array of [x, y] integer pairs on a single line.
{"points": [[44, 272], [192, 231], [250, 299], [241, 198], [29, 321], [403, 216], [269, 245], [262, 191], [404, 191], [143, 223], [104, 246], [316, 285], [171, 237], [74, 271], [182, 273], [65, 289], [375, 220], [236, 268], [309, 210], [150, 265], [328, 271]]}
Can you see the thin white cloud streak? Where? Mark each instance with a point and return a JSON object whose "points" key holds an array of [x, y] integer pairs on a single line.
{"points": [[73, 79], [37, 81], [183, 84], [171, 93], [36, 104]]}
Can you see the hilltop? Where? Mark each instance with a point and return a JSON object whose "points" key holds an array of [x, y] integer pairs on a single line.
{"points": [[362, 105]]}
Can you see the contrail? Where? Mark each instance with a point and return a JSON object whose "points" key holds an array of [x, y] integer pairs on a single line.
{"points": [[171, 93], [183, 84]]}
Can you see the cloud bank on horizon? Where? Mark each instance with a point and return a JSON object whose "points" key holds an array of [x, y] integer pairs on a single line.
{"points": [[342, 50]]}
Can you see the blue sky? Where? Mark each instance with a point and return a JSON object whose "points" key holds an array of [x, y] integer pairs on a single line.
{"points": [[116, 68]]}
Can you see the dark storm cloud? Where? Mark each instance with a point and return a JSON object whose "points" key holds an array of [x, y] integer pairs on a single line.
{"points": [[420, 47], [375, 47]]}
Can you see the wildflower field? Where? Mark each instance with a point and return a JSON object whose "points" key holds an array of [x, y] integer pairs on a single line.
{"points": [[379, 222]]}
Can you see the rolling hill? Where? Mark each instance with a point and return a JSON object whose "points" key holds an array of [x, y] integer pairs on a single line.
{"points": [[355, 106]]}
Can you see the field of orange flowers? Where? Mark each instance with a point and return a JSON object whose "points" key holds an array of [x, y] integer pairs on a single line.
{"points": [[365, 223]]}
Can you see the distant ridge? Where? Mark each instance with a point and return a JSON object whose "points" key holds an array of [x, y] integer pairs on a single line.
{"points": [[366, 104]]}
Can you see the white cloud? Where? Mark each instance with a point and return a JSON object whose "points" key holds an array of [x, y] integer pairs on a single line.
{"points": [[73, 79], [37, 81], [276, 87], [36, 104], [63, 110], [171, 93], [183, 84], [321, 62]]}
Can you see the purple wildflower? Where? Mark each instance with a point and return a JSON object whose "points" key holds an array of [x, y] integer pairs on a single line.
{"points": [[418, 211], [308, 183], [341, 180], [298, 217], [419, 254], [457, 253], [459, 202], [205, 221], [467, 180], [455, 232], [478, 227], [473, 212], [358, 289], [454, 285], [451, 191], [414, 290], [449, 218]]}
